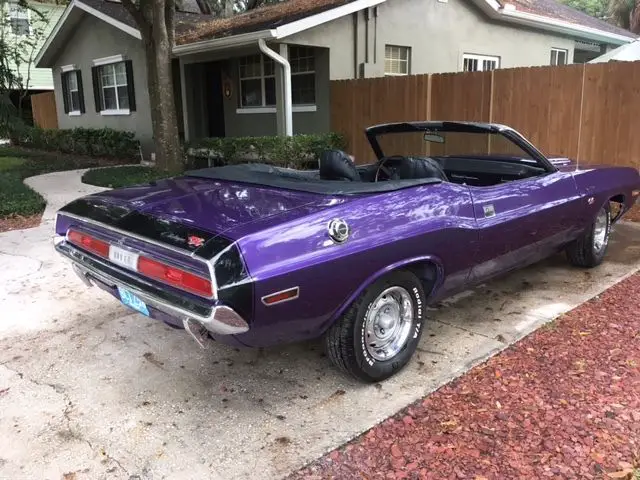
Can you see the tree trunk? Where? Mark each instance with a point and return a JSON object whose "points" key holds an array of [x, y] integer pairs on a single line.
{"points": [[155, 22]]}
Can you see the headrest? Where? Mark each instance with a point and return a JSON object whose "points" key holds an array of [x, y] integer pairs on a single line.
{"points": [[337, 165]]}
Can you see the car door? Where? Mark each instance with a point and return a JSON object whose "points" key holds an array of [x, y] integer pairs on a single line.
{"points": [[522, 221]]}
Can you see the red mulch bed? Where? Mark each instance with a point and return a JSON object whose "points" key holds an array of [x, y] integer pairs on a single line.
{"points": [[562, 403], [18, 222], [633, 214]]}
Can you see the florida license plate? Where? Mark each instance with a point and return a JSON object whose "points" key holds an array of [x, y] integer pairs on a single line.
{"points": [[123, 257], [132, 301]]}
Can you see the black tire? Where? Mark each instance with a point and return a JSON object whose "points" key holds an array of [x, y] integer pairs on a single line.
{"points": [[583, 252], [345, 340]]}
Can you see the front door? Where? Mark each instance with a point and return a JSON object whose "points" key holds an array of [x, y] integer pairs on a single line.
{"points": [[523, 221]]}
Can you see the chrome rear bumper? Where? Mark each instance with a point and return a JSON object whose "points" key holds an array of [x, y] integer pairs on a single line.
{"points": [[217, 319]]}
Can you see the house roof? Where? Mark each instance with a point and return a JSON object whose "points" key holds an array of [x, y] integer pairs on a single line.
{"points": [[279, 20], [555, 9], [266, 17]]}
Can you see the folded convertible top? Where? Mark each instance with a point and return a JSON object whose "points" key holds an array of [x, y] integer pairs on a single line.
{"points": [[302, 180]]}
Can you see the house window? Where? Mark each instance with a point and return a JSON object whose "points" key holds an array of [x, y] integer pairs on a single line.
{"points": [[258, 79], [72, 92], [396, 60], [479, 63], [559, 56], [19, 19], [113, 86], [303, 75]]}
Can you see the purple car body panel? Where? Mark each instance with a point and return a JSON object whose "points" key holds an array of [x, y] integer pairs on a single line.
{"points": [[452, 235]]}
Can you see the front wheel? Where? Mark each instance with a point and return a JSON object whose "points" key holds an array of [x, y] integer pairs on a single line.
{"points": [[377, 336], [589, 250]]}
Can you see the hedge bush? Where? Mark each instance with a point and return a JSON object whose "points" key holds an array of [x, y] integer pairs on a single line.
{"points": [[116, 177], [298, 151], [93, 142]]}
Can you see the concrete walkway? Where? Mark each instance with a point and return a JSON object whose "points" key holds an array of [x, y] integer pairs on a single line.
{"points": [[59, 188], [90, 389]]}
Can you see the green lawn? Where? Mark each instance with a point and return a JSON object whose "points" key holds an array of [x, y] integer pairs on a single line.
{"points": [[116, 177], [16, 164]]}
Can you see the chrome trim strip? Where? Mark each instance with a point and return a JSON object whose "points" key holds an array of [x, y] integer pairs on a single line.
{"points": [[75, 256], [297, 295], [186, 253]]}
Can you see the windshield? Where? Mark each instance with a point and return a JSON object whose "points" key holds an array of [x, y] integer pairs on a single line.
{"points": [[450, 144]]}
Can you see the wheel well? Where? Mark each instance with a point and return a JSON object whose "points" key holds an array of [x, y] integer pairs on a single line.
{"points": [[617, 198], [617, 211], [427, 272]]}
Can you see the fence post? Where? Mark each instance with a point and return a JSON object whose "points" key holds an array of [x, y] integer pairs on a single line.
{"points": [[584, 70]]}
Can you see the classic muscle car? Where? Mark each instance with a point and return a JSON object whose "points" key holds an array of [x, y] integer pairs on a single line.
{"points": [[255, 255]]}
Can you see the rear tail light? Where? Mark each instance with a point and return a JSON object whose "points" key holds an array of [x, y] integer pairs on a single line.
{"points": [[89, 243], [174, 276]]}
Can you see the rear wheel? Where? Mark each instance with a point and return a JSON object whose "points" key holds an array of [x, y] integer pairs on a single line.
{"points": [[376, 337], [589, 250]]}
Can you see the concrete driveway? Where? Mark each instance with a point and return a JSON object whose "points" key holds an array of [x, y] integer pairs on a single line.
{"points": [[90, 390]]}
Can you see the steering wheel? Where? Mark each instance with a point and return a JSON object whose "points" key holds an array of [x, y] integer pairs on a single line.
{"points": [[388, 166]]}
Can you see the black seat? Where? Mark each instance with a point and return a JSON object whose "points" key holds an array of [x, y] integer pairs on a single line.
{"points": [[421, 167], [337, 165]]}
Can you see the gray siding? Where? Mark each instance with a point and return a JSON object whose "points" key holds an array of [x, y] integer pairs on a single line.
{"points": [[246, 124], [439, 33], [93, 39], [253, 124]]}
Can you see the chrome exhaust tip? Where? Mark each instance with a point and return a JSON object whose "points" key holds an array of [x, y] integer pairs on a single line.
{"points": [[199, 332], [82, 275]]}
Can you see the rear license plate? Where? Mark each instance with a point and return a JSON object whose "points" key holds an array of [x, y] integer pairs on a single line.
{"points": [[131, 300], [123, 257]]}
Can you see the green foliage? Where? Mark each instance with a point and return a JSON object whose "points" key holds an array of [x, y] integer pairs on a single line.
{"points": [[116, 177], [298, 151], [595, 8], [16, 164], [16, 198], [93, 142]]}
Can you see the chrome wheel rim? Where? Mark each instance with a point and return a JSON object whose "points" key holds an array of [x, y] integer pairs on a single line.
{"points": [[600, 234], [388, 323]]}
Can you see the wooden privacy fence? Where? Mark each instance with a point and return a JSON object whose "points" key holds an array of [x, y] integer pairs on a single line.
{"points": [[43, 107], [590, 112]]}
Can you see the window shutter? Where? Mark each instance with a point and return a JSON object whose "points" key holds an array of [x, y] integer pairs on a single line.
{"points": [[95, 76], [132, 92], [80, 91], [65, 92]]}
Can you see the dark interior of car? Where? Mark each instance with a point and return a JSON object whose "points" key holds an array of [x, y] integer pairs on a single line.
{"points": [[479, 171]]}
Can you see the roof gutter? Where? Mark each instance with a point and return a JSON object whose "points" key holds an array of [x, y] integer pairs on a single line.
{"points": [[559, 26], [225, 42], [288, 103]]}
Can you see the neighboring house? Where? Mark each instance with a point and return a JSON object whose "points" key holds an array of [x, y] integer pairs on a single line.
{"points": [[624, 53], [27, 30], [229, 76]]}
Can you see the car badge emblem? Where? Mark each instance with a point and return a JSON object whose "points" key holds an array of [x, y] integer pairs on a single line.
{"points": [[338, 230], [489, 211], [194, 241], [590, 200]]}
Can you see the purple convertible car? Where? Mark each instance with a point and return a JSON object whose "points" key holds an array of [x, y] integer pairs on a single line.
{"points": [[254, 255]]}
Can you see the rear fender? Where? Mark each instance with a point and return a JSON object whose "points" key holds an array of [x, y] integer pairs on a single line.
{"points": [[428, 268]]}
